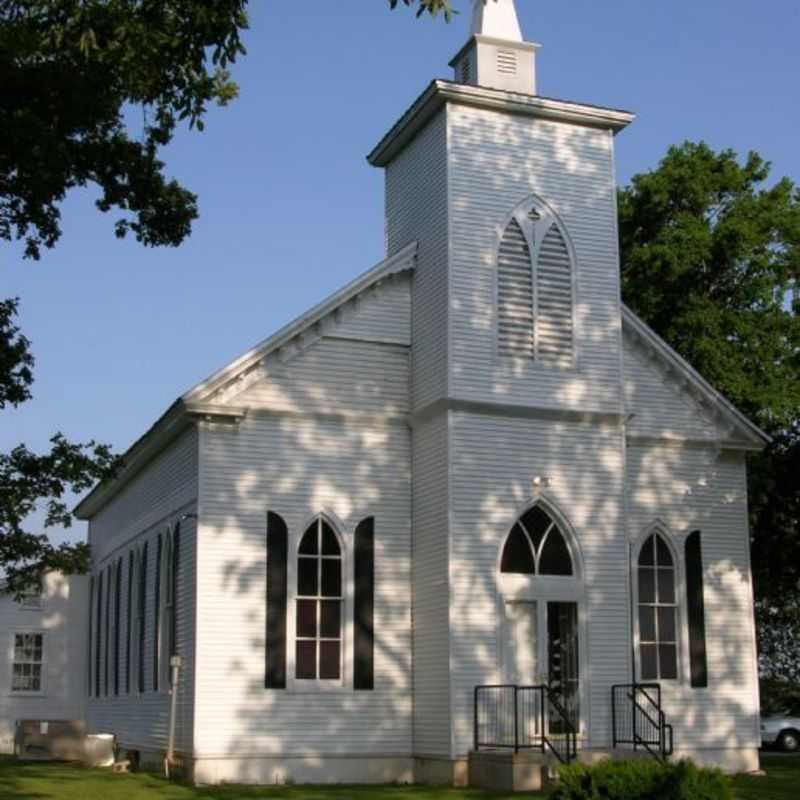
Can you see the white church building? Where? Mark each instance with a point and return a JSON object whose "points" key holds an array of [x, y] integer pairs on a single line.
{"points": [[470, 502]]}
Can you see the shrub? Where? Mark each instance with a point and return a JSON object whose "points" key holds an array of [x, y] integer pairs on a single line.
{"points": [[641, 780]]}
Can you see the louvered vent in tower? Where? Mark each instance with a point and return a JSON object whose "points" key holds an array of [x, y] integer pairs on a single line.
{"points": [[535, 307], [506, 62], [554, 299], [514, 294]]}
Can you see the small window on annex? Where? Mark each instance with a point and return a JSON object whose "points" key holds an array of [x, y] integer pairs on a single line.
{"points": [[536, 546], [318, 620], [658, 611], [27, 669]]}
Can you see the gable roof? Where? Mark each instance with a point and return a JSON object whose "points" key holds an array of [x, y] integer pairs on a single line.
{"points": [[194, 403], [751, 436]]}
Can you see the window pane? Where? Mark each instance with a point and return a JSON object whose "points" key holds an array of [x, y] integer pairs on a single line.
{"points": [[307, 618], [306, 660], [649, 662], [666, 586], [36, 679], [307, 576], [517, 556], [329, 627], [309, 545], [330, 544], [647, 589], [329, 660], [555, 558], [536, 522], [663, 554], [666, 625], [647, 623], [668, 655], [646, 556], [331, 577]]}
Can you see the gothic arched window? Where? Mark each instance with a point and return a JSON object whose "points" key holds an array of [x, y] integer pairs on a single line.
{"points": [[658, 611], [536, 546], [535, 285], [318, 632]]}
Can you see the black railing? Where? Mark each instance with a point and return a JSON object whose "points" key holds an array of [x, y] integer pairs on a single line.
{"points": [[517, 718], [638, 720]]}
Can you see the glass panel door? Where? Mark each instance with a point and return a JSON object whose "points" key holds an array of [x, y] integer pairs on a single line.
{"points": [[562, 661]]}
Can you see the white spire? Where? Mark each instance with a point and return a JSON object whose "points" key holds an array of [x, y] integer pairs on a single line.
{"points": [[496, 18]]}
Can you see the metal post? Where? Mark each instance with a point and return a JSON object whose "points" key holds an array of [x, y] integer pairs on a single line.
{"points": [[475, 721], [175, 663], [516, 721], [614, 716]]}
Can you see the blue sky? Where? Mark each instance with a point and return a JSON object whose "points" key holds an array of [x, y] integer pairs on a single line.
{"points": [[290, 209]]}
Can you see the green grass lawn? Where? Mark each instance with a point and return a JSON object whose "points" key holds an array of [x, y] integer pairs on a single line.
{"points": [[62, 782]]}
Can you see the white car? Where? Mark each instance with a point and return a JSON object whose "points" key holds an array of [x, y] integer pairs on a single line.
{"points": [[782, 730]]}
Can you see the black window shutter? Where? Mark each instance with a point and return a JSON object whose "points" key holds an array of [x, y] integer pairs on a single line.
{"points": [[277, 550], [91, 632], [98, 633], [142, 622], [129, 623], [364, 643], [696, 611], [176, 560], [157, 613]]}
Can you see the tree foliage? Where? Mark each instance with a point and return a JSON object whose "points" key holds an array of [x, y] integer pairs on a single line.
{"points": [[74, 73], [710, 251], [432, 7]]}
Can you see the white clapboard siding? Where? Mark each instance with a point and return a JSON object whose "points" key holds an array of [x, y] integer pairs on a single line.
{"points": [[554, 300], [662, 407], [156, 498], [299, 467], [514, 294], [417, 210], [495, 162], [382, 314], [695, 488], [334, 375], [493, 463], [61, 618]]}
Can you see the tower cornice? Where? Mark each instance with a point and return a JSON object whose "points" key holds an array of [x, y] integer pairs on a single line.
{"points": [[440, 92]]}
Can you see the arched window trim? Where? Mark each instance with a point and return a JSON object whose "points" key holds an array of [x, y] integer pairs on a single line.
{"points": [[341, 532], [534, 234], [573, 547], [671, 540]]}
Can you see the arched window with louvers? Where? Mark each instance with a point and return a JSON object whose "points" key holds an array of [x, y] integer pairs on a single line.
{"points": [[536, 288]]}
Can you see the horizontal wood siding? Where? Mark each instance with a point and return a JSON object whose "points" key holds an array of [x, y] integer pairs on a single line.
{"points": [[155, 499], [661, 407], [63, 620], [695, 488], [497, 160], [381, 314], [493, 463], [300, 467], [416, 210], [333, 376]]}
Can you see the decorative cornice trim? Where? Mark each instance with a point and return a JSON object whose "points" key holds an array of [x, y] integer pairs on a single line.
{"points": [[440, 92], [751, 436]]}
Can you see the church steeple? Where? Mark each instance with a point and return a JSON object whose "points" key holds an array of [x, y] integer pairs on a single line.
{"points": [[497, 19], [496, 56]]}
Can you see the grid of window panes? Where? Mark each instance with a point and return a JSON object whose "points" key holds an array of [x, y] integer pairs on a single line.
{"points": [[658, 629], [318, 632], [28, 662]]}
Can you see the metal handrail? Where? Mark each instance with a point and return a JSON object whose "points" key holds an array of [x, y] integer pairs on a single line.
{"points": [[520, 708], [659, 745]]}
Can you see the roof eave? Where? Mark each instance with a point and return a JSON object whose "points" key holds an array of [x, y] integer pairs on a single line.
{"points": [[755, 438], [440, 92]]}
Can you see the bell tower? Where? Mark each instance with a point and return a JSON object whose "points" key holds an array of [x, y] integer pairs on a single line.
{"points": [[496, 56]]}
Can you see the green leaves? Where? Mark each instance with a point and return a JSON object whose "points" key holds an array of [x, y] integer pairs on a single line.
{"points": [[69, 68], [432, 7], [710, 252], [16, 361]]}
